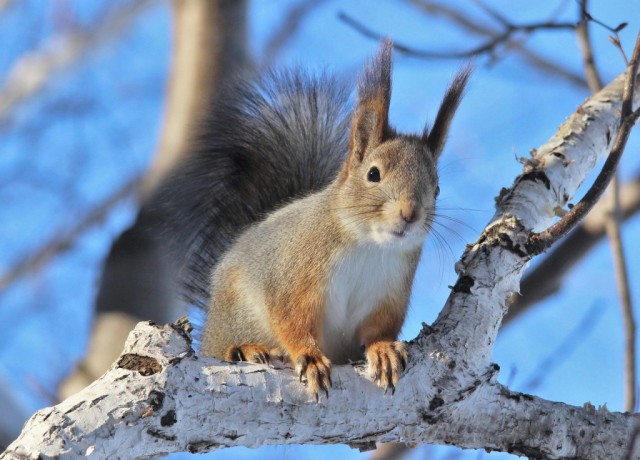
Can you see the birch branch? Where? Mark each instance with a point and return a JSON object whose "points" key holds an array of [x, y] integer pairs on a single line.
{"points": [[547, 277], [160, 398]]}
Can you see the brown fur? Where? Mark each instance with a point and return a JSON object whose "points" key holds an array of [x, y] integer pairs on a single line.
{"points": [[330, 273]]}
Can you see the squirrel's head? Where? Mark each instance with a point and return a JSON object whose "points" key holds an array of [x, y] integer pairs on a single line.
{"points": [[389, 182]]}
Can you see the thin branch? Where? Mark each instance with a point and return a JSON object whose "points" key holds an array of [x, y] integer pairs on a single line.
{"points": [[622, 282], [32, 72], [613, 223], [287, 29], [487, 47], [493, 13], [472, 25], [546, 278], [539, 242], [62, 242], [559, 355], [588, 61]]}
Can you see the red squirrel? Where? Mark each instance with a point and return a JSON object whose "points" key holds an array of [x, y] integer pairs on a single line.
{"points": [[311, 221]]}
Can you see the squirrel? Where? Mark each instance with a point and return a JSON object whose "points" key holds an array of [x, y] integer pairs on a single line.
{"points": [[306, 221]]}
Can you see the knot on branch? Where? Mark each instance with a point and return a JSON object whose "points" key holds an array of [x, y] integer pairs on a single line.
{"points": [[508, 233]]}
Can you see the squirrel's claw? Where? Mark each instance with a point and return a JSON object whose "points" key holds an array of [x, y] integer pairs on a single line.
{"points": [[315, 369], [387, 360], [250, 352]]}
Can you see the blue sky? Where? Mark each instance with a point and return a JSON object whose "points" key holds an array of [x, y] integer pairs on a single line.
{"points": [[96, 124]]}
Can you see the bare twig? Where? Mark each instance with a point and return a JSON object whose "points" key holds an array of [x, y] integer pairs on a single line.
{"points": [[62, 242], [566, 347], [487, 47], [588, 61], [546, 278], [539, 242], [33, 71], [472, 25]]}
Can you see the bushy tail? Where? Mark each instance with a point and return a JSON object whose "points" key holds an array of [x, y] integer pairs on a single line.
{"points": [[267, 141]]}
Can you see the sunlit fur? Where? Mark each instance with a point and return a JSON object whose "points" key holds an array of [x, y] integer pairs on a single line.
{"points": [[327, 275]]}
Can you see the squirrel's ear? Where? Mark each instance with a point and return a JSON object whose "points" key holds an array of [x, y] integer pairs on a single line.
{"points": [[370, 124], [436, 139]]}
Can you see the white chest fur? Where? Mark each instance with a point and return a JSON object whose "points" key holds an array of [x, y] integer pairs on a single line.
{"points": [[362, 278]]}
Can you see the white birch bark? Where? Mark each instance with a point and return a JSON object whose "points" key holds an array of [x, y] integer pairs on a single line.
{"points": [[160, 398]]}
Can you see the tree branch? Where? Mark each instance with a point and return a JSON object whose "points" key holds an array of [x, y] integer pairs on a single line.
{"points": [[486, 47], [613, 226], [161, 394], [473, 26], [287, 29], [209, 48], [540, 242], [33, 71], [546, 278], [626, 306]]}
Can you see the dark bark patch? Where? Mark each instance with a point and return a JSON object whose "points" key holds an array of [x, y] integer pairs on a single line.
{"points": [[160, 435], [232, 436], [201, 446], [144, 364], [537, 175], [169, 418], [497, 236], [504, 192], [183, 327], [436, 402], [155, 400], [518, 397], [464, 284], [97, 400], [428, 417], [507, 243]]}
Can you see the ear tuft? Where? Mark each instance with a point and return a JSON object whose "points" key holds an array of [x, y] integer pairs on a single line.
{"points": [[370, 123], [437, 138]]}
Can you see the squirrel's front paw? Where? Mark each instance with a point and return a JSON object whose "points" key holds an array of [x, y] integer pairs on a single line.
{"points": [[315, 368], [251, 352], [387, 360]]}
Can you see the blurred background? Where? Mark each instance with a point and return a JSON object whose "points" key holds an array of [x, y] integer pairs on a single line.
{"points": [[98, 100]]}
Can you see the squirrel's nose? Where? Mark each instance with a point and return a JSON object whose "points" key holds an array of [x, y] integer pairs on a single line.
{"points": [[408, 212]]}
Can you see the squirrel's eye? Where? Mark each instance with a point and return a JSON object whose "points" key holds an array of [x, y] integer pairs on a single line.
{"points": [[373, 175], [437, 191]]}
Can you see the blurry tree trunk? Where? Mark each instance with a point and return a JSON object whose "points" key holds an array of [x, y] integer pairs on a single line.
{"points": [[209, 46]]}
